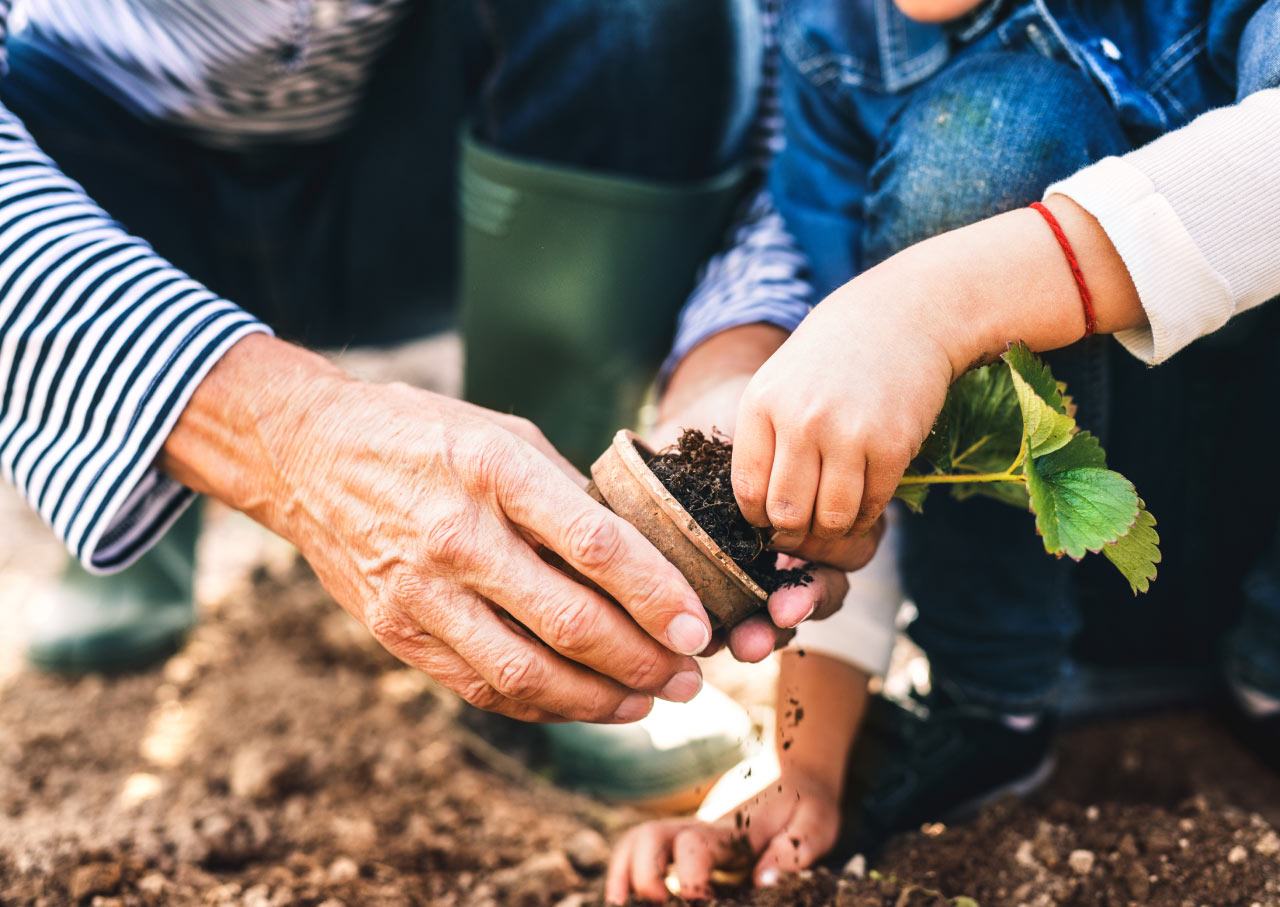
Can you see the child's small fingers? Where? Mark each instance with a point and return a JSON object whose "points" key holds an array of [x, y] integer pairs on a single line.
{"points": [[817, 599], [793, 485], [754, 639], [852, 552], [821, 598], [752, 462], [839, 494], [696, 851], [796, 847], [650, 854], [883, 474], [719, 638], [617, 883]]}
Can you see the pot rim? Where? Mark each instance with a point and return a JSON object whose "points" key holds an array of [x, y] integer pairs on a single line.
{"points": [[629, 447]]}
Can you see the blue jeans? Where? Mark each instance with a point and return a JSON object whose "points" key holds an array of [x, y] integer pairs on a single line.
{"points": [[886, 151], [353, 240]]}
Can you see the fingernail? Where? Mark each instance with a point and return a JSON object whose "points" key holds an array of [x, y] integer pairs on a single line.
{"points": [[683, 687], [769, 877], [688, 635], [787, 623], [634, 707], [784, 541]]}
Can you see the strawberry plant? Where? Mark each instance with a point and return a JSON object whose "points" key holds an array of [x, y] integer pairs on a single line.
{"points": [[1008, 431]]}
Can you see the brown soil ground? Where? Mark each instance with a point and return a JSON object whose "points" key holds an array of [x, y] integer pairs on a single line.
{"points": [[283, 759]]}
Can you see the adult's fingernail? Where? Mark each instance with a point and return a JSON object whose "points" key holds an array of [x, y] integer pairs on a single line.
{"points": [[769, 877], [688, 635], [683, 687], [634, 707]]}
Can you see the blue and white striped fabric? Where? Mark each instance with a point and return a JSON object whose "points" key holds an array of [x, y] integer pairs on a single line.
{"points": [[102, 342], [230, 72], [760, 274], [101, 345]]}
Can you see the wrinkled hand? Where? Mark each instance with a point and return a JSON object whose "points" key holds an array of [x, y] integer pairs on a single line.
{"points": [[792, 823], [425, 517]]}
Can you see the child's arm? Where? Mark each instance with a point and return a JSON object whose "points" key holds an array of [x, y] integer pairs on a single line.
{"points": [[829, 424], [790, 823]]}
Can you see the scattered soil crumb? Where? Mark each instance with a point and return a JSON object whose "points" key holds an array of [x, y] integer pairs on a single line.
{"points": [[295, 764]]}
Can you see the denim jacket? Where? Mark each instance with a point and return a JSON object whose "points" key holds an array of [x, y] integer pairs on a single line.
{"points": [[849, 65]]}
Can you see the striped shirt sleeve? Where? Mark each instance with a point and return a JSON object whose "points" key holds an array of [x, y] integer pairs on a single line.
{"points": [[102, 343], [759, 275]]}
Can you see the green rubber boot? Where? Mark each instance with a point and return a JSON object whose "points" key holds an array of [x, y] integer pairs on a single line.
{"points": [[128, 621], [666, 762], [570, 286]]}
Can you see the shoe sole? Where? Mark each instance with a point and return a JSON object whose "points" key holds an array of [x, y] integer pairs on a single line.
{"points": [[1019, 787]]}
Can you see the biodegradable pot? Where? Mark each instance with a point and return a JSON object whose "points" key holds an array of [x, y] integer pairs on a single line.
{"points": [[623, 482]]}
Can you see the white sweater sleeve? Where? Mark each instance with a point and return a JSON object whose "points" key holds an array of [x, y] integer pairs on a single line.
{"points": [[1195, 215], [863, 631]]}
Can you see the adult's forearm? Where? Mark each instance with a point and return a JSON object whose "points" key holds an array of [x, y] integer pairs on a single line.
{"points": [[708, 376], [229, 442]]}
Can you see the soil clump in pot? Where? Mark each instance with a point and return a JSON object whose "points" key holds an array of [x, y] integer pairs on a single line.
{"points": [[698, 472]]}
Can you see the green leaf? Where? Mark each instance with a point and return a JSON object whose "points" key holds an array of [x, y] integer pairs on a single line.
{"points": [[1079, 507], [1048, 424], [1083, 450], [935, 452], [1136, 554], [1032, 370], [1014, 493], [1079, 504], [912, 495], [980, 426]]}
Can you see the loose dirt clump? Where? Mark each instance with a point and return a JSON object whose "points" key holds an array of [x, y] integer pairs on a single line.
{"points": [[698, 472], [1164, 811], [282, 759]]}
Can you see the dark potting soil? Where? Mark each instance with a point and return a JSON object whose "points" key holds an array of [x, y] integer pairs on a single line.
{"points": [[698, 471], [1164, 811]]}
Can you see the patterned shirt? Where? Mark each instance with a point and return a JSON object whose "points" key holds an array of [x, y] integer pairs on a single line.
{"points": [[102, 342]]}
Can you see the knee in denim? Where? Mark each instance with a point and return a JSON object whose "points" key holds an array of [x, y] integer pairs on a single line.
{"points": [[986, 135], [1259, 64]]}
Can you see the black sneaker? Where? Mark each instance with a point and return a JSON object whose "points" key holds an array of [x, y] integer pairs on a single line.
{"points": [[930, 759], [1253, 719]]}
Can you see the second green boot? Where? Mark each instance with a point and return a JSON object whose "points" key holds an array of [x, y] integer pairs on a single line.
{"points": [[128, 621]]}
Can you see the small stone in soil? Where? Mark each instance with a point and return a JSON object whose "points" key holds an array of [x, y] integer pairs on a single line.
{"points": [[95, 878]]}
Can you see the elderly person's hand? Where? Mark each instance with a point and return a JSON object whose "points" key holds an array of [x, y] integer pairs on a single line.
{"points": [[704, 392], [436, 524]]}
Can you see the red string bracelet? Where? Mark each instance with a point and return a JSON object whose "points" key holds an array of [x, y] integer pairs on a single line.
{"points": [[1090, 319]]}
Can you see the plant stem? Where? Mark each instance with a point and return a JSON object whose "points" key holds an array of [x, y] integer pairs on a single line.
{"points": [[960, 479], [1009, 475]]}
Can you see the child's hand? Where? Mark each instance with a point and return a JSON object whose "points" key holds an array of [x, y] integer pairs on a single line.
{"points": [[829, 424], [788, 826]]}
